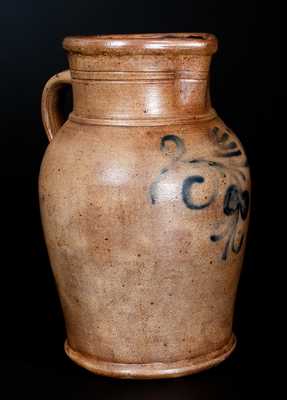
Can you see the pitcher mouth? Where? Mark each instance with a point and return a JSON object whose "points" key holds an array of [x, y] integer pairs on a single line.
{"points": [[145, 43]]}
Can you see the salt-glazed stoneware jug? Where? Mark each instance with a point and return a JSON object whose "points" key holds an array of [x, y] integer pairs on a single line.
{"points": [[144, 196]]}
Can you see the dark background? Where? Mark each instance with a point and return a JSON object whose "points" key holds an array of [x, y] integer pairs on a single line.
{"points": [[32, 329]]}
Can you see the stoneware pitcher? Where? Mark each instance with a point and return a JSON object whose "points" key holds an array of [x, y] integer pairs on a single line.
{"points": [[144, 196]]}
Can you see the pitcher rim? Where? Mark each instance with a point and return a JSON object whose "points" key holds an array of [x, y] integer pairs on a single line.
{"points": [[143, 43]]}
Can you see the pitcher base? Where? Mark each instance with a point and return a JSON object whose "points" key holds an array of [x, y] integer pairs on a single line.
{"points": [[157, 370]]}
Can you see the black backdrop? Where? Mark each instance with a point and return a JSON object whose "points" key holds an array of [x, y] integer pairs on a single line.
{"points": [[32, 328]]}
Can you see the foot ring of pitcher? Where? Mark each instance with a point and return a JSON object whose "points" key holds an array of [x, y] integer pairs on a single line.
{"points": [[155, 370]]}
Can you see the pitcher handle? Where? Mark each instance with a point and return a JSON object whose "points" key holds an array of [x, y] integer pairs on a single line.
{"points": [[51, 116]]}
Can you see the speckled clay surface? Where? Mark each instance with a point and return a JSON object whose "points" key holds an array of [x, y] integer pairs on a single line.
{"points": [[144, 196]]}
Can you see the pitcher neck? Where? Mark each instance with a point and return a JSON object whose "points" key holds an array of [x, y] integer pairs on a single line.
{"points": [[129, 82]]}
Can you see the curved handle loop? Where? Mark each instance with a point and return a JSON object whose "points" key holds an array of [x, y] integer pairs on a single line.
{"points": [[51, 117]]}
